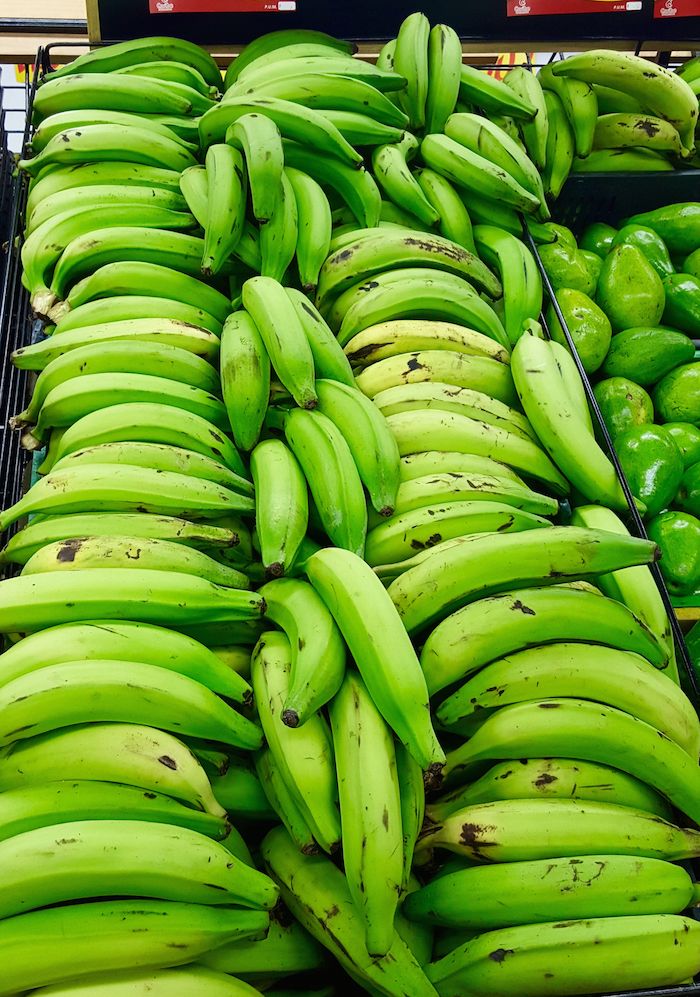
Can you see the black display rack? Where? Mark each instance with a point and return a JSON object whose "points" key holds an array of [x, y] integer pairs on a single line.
{"points": [[18, 327]]}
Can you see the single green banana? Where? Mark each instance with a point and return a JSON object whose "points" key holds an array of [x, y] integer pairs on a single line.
{"points": [[314, 226], [483, 90], [226, 200], [525, 84], [276, 319], [487, 564], [514, 620], [317, 648], [370, 810], [411, 62], [110, 58], [281, 505], [114, 935], [515, 265], [245, 378], [283, 803], [444, 71], [329, 360], [580, 105], [454, 223], [358, 602], [312, 885], [357, 187], [393, 174], [332, 476], [278, 238], [561, 146], [304, 755]]}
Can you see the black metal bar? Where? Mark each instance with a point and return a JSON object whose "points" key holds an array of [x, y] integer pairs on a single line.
{"points": [[679, 639], [47, 26]]}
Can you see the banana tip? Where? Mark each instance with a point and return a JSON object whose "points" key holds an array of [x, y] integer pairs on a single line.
{"points": [[290, 718]]}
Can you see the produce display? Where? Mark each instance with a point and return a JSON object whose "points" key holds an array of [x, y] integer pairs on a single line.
{"points": [[635, 320], [330, 661]]}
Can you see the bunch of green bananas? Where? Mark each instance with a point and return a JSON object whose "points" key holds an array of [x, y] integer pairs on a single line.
{"points": [[299, 560]]}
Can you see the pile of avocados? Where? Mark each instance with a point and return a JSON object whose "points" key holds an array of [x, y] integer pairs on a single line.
{"points": [[631, 298]]}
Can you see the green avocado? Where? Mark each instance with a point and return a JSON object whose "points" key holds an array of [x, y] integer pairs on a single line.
{"points": [[630, 291], [691, 264], [650, 244], [677, 396], [623, 404], [683, 302], [567, 267], [687, 437], [594, 264], [588, 325], [598, 239], [677, 224], [645, 355], [652, 464], [688, 497], [678, 536]]}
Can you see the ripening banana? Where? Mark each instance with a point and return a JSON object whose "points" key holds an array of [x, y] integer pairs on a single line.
{"points": [[514, 620], [360, 604], [86, 859], [331, 474], [574, 957], [548, 778], [128, 691], [305, 754], [188, 981], [133, 277], [394, 176], [105, 142], [275, 317], [122, 307], [408, 335], [329, 360], [484, 898], [86, 174], [370, 810], [226, 200], [413, 292], [124, 641], [245, 378], [473, 172], [161, 361], [162, 457], [314, 226], [162, 597], [561, 148], [580, 106], [310, 886], [126, 553], [397, 539], [447, 397], [548, 407], [515, 265], [135, 489], [606, 675], [317, 648], [281, 504], [369, 438], [454, 222], [659, 90], [411, 62], [283, 803], [455, 487], [393, 247], [294, 121], [425, 428], [444, 71], [591, 731], [258, 137], [79, 396], [487, 564], [525, 84], [114, 935], [483, 90], [418, 464], [486, 139]]}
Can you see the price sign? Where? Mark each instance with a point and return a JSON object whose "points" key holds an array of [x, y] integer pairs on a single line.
{"points": [[676, 8], [525, 8], [221, 6]]}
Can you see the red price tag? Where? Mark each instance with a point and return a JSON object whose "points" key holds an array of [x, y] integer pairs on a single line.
{"points": [[676, 8], [221, 6], [523, 8]]}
